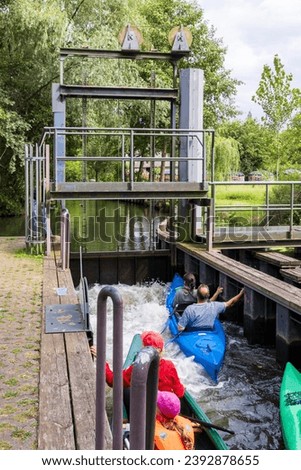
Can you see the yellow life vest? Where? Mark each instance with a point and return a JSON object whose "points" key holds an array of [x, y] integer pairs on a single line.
{"points": [[165, 439]]}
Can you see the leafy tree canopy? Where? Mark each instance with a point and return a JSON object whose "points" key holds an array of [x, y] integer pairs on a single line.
{"points": [[254, 143], [275, 95], [31, 33]]}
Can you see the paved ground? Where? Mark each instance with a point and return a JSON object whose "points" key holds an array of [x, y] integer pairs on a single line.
{"points": [[21, 278]]}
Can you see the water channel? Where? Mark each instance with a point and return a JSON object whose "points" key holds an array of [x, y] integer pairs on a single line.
{"points": [[246, 398], [113, 225], [12, 226], [101, 225]]}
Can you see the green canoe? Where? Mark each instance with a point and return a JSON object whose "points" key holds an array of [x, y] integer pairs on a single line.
{"points": [[290, 407], [209, 438]]}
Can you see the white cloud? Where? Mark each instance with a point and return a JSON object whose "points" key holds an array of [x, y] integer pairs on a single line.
{"points": [[253, 32]]}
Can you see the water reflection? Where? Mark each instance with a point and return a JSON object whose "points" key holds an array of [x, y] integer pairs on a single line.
{"points": [[12, 226], [112, 226]]}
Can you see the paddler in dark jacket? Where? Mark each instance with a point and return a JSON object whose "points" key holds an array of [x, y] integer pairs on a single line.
{"points": [[188, 293]]}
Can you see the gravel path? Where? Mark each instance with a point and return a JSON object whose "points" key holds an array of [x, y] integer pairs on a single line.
{"points": [[21, 278]]}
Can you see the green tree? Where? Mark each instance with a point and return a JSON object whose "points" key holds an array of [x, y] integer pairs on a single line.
{"points": [[278, 100], [207, 51], [291, 143], [227, 159], [31, 33], [254, 143], [275, 95], [12, 140]]}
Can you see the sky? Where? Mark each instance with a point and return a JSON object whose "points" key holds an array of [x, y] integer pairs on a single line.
{"points": [[253, 32]]}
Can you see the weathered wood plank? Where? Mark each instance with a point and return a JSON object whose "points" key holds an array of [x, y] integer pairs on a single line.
{"points": [[55, 417], [50, 282], [65, 280], [277, 259], [82, 376], [275, 289], [293, 274], [68, 376], [83, 391]]}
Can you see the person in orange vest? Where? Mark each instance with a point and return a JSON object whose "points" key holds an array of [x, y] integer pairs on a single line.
{"points": [[172, 432]]}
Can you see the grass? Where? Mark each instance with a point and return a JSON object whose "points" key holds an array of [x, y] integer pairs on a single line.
{"points": [[31, 413], [21, 434], [236, 196], [5, 445], [23, 253], [10, 394], [7, 410], [13, 381], [233, 195], [27, 401], [5, 426]]}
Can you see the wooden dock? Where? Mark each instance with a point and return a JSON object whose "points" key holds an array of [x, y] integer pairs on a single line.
{"points": [[271, 306], [67, 375], [266, 285], [277, 259]]}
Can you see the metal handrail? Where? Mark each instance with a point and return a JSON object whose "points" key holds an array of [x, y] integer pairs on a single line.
{"points": [[35, 215], [131, 156], [266, 207], [114, 294], [143, 398]]}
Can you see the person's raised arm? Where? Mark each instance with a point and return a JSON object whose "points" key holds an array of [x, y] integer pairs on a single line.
{"points": [[234, 299], [218, 291]]}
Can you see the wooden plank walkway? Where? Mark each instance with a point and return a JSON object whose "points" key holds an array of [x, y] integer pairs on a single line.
{"points": [[67, 377], [277, 259], [277, 290], [292, 274]]}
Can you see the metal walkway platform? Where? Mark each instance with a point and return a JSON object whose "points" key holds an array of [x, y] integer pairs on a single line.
{"points": [[118, 190]]}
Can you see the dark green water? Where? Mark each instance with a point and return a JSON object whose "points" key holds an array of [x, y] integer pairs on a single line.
{"points": [[112, 226], [12, 226], [100, 226]]}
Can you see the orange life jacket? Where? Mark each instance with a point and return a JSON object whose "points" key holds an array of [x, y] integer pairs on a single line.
{"points": [[165, 439]]}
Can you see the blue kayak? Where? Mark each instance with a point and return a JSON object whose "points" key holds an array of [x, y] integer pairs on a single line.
{"points": [[207, 346]]}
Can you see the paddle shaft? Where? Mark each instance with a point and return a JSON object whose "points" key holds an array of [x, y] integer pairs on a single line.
{"points": [[208, 425], [172, 339]]}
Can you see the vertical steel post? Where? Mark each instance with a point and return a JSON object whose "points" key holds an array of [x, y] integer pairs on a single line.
{"points": [[132, 164], [144, 386], [26, 193], [209, 226], [59, 118], [65, 238], [292, 196], [47, 188], [109, 291], [123, 167], [267, 203], [38, 194], [31, 204]]}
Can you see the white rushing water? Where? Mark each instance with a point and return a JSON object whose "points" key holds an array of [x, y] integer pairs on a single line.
{"points": [[144, 309], [245, 399]]}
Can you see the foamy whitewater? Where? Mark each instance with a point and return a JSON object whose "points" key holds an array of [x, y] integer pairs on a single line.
{"points": [[144, 309], [245, 399]]}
